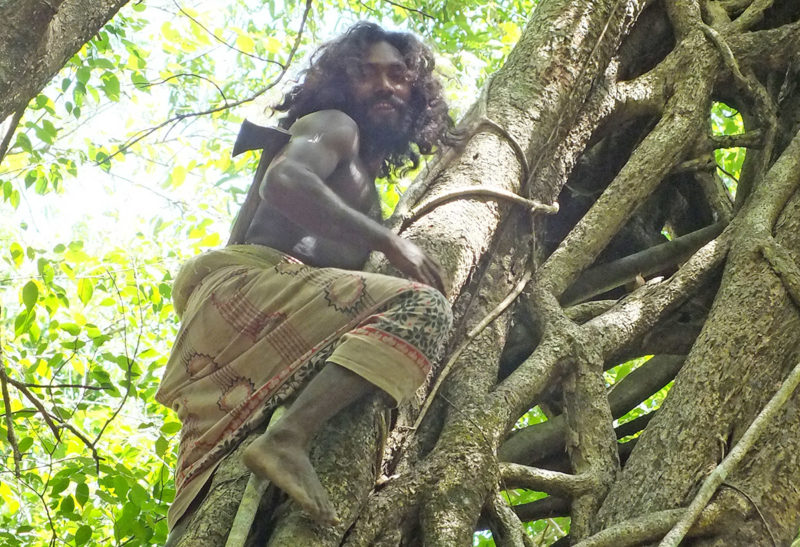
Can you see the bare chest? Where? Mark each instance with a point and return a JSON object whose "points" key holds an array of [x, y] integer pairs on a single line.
{"points": [[356, 187]]}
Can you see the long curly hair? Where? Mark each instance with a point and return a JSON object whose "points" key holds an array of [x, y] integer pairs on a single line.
{"points": [[326, 84]]}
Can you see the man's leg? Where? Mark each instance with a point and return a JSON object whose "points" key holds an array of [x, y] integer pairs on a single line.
{"points": [[281, 454]]}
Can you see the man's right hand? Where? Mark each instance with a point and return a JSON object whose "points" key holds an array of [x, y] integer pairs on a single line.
{"points": [[413, 262]]}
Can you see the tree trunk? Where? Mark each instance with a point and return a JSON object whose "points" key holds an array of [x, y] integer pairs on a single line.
{"points": [[38, 37], [604, 106]]}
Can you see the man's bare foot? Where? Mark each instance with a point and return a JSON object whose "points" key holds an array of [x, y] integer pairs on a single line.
{"points": [[279, 456]]}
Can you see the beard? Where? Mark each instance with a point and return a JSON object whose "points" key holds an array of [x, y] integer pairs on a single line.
{"points": [[379, 135]]}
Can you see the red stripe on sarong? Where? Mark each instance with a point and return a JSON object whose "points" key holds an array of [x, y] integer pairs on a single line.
{"points": [[397, 343]]}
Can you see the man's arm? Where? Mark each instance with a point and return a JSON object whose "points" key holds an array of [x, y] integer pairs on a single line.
{"points": [[295, 184]]}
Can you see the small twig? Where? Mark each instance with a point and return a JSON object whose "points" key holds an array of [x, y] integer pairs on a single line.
{"points": [[4, 145], [48, 418], [494, 314], [253, 492], [11, 435], [66, 386], [401, 6], [480, 192], [30, 487], [180, 117], [191, 75], [718, 476], [728, 174], [221, 41], [757, 508], [128, 359]]}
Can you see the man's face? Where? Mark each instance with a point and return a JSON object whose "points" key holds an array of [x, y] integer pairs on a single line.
{"points": [[381, 89]]}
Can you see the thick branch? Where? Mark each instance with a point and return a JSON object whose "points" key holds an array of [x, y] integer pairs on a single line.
{"points": [[37, 39], [12, 127], [537, 442], [588, 310], [46, 416], [636, 314], [635, 425], [549, 507], [771, 49], [507, 529], [751, 139], [752, 15], [634, 531], [543, 480], [718, 476], [605, 277], [643, 382], [648, 165], [785, 267]]}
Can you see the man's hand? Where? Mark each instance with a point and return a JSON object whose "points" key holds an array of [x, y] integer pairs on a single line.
{"points": [[412, 261]]}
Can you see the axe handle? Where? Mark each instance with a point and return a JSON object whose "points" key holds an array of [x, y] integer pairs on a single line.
{"points": [[273, 144], [248, 210]]}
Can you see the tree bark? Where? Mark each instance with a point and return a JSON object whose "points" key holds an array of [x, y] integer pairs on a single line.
{"points": [[38, 37]]}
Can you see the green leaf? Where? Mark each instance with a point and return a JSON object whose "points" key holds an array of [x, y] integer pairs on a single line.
{"points": [[71, 328], [83, 535], [245, 44], [41, 186], [24, 142], [25, 444], [30, 294], [170, 428], [83, 74], [138, 495], [161, 446], [58, 486], [67, 504], [23, 322], [111, 86], [82, 493], [85, 290], [17, 253]]}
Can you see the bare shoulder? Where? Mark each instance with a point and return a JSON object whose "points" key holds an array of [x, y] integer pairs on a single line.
{"points": [[331, 128]]}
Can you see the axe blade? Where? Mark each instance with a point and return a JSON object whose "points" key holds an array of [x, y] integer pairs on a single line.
{"points": [[258, 137]]}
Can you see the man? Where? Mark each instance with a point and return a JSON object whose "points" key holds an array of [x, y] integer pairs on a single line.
{"points": [[290, 312]]}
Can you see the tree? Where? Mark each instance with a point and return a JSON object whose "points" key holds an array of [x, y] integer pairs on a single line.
{"points": [[612, 109], [37, 39]]}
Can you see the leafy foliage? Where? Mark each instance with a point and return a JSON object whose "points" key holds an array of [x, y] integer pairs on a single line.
{"points": [[727, 121]]}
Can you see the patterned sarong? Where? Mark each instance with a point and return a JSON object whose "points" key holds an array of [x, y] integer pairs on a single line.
{"points": [[256, 324]]}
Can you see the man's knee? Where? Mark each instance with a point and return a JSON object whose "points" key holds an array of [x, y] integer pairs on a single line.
{"points": [[437, 313]]}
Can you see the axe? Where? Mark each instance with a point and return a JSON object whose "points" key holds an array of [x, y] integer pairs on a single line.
{"points": [[270, 140]]}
